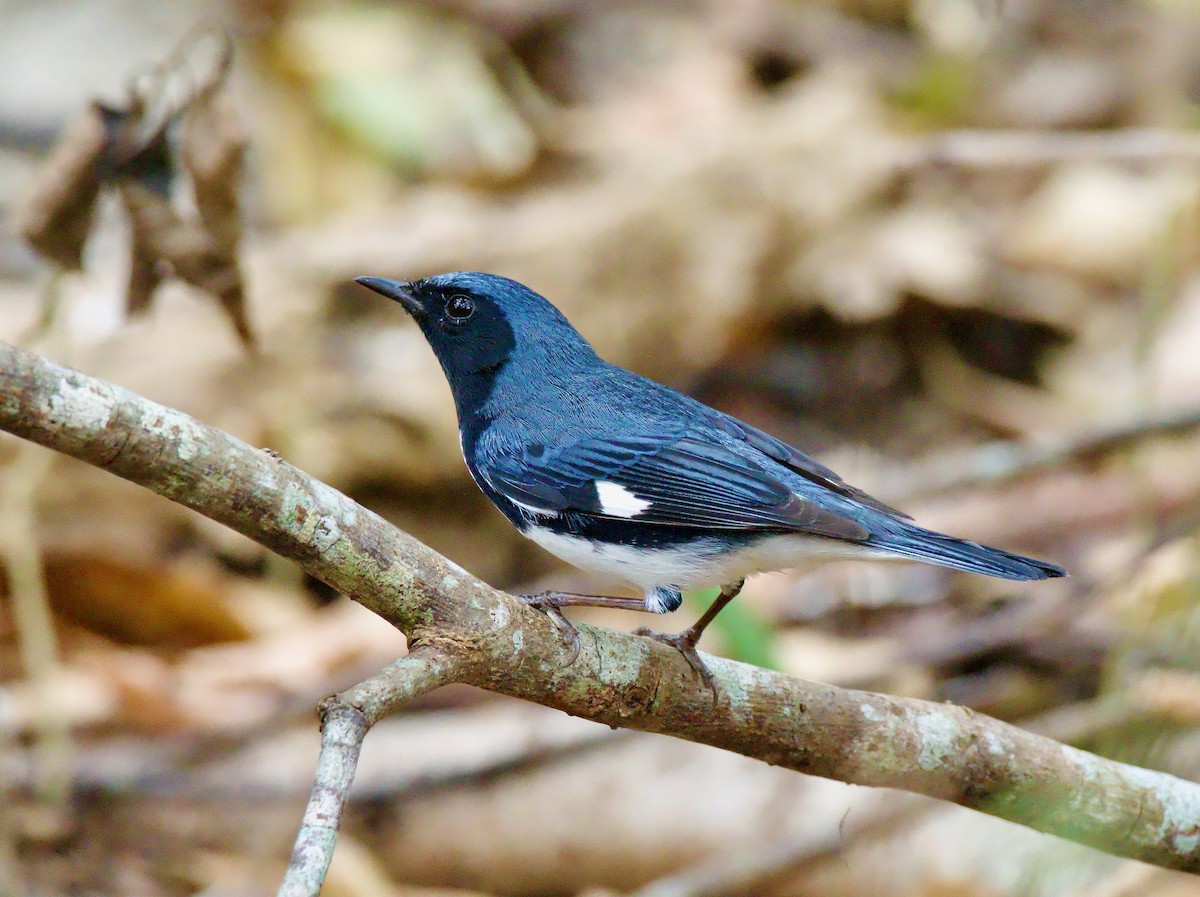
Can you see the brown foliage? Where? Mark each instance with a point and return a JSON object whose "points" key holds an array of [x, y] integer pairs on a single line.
{"points": [[130, 148]]}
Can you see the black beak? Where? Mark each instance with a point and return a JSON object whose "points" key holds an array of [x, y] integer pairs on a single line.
{"points": [[397, 290]]}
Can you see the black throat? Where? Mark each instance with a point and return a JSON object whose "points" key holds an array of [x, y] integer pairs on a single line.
{"points": [[472, 400]]}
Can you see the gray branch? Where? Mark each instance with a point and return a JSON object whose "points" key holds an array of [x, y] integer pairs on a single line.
{"points": [[460, 628], [1000, 148], [345, 720]]}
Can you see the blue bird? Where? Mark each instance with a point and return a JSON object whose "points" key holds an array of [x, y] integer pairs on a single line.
{"points": [[621, 475]]}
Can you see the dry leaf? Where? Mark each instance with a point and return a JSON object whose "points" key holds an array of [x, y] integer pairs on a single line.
{"points": [[145, 272], [188, 249], [212, 148], [160, 234], [152, 167], [57, 216], [157, 606], [132, 148]]}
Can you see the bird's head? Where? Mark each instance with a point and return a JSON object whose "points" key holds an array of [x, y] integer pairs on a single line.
{"points": [[477, 324]]}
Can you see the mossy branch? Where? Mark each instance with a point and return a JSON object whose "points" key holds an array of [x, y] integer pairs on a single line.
{"points": [[460, 629]]}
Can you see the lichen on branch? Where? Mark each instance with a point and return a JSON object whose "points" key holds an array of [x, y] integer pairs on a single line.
{"points": [[493, 641]]}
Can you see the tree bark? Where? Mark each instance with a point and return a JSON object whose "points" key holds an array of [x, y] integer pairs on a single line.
{"points": [[487, 638]]}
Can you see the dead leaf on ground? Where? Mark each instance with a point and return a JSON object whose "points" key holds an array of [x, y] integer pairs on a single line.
{"points": [[160, 606]]}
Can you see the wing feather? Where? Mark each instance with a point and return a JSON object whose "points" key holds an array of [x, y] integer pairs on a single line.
{"points": [[687, 482], [795, 460]]}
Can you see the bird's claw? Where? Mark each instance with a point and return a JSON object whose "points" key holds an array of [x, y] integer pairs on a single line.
{"points": [[549, 604], [685, 643]]}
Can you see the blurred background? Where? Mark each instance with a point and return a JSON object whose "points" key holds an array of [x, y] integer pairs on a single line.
{"points": [[950, 247]]}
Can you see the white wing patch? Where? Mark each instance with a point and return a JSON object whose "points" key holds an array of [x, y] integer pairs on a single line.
{"points": [[617, 501]]}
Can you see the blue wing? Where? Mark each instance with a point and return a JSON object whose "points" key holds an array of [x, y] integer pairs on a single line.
{"points": [[798, 462], [683, 482]]}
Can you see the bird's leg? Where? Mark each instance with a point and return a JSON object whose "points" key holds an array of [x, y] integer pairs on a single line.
{"points": [[685, 642], [550, 603]]}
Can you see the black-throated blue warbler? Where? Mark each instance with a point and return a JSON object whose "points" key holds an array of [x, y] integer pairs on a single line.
{"points": [[621, 475]]}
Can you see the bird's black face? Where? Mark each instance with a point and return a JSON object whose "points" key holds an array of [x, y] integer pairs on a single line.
{"points": [[499, 342], [466, 328]]}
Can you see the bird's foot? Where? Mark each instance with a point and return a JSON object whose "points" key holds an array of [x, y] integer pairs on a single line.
{"points": [[551, 604], [685, 643]]}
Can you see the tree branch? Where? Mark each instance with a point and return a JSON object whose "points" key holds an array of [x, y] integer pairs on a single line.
{"points": [[1004, 148], [494, 641], [345, 720]]}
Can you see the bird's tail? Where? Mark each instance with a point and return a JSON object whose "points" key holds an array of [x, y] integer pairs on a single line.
{"points": [[961, 554]]}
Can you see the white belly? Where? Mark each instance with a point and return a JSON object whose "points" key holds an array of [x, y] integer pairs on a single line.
{"points": [[695, 566]]}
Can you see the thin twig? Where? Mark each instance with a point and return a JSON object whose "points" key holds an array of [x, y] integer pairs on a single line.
{"points": [[1036, 148], [1000, 462], [31, 610], [345, 720], [753, 869], [20, 481]]}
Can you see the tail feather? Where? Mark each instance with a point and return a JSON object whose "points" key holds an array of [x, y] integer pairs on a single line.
{"points": [[961, 554]]}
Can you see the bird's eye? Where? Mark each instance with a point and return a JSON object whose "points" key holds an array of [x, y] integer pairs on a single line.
{"points": [[459, 308]]}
